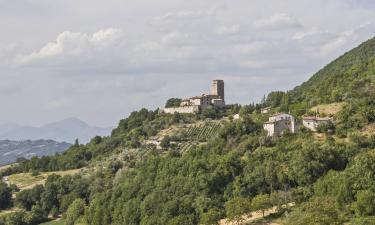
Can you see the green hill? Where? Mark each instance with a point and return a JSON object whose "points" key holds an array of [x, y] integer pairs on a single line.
{"points": [[347, 81], [351, 75], [184, 169]]}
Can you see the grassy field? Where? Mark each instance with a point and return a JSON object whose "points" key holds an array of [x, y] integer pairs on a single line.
{"points": [[27, 181], [54, 222], [329, 109]]}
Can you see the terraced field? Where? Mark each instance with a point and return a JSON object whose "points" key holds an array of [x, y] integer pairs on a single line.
{"points": [[186, 146], [203, 131], [329, 109]]}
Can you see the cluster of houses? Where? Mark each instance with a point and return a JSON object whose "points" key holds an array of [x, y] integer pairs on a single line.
{"points": [[280, 123], [276, 125]]}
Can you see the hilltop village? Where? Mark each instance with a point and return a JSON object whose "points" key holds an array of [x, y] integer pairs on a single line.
{"points": [[276, 125], [194, 104]]}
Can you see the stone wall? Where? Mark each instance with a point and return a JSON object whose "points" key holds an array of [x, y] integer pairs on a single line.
{"points": [[182, 109]]}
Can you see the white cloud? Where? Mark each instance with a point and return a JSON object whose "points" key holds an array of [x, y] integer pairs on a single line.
{"points": [[177, 39], [253, 64], [347, 39], [225, 30], [277, 21], [307, 34], [183, 15], [59, 103], [337, 43], [70, 44], [170, 49], [251, 47]]}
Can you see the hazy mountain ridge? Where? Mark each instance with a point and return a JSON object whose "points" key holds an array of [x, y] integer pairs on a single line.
{"points": [[66, 130], [11, 150]]}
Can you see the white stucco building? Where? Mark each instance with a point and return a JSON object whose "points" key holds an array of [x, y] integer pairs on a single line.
{"points": [[265, 110], [312, 122], [279, 123]]}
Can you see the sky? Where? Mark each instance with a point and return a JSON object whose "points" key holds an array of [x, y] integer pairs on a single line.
{"points": [[100, 60]]}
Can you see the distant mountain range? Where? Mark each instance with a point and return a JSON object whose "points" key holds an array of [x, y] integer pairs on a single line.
{"points": [[12, 150], [66, 130]]}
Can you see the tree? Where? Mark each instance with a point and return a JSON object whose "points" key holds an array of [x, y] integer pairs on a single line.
{"points": [[66, 201], [5, 195], [75, 211], [261, 203], [114, 166], [363, 221], [48, 198], [236, 208], [326, 127], [38, 215], [54, 212], [211, 217], [318, 211], [16, 218], [173, 102], [275, 99], [210, 112], [365, 205], [181, 220], [165, 142], [246, 110], [95, 213], [28, 198], [76, 143]]}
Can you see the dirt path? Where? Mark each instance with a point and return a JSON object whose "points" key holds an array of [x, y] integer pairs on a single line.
{"points": [[256, 215], [251, 217]]}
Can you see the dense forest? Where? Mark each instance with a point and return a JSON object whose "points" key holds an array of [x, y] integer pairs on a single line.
{"points": [[329, 177], [348, 78]]}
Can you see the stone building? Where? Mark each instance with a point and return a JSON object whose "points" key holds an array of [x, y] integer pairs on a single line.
{"points": [[194, 104], [279, 123], [265, 110], [217, 89], [312, 122]]}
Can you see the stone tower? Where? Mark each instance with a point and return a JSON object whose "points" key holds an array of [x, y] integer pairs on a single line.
{"points": [[217, 88]]}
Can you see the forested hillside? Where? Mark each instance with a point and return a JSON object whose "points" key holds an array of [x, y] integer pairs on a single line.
{"points": [[350, 76], [141, 174]]}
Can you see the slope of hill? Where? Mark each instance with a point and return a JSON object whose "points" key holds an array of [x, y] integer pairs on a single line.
{"points": [[65, 130], [351, 75], [11, 150], [233, 170]]}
